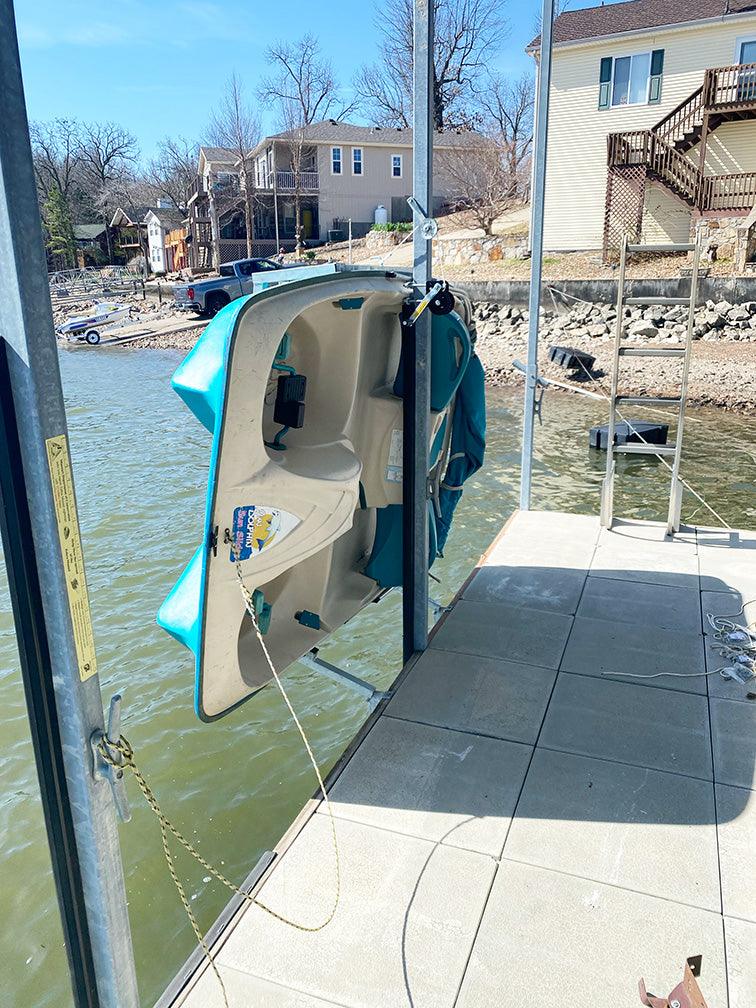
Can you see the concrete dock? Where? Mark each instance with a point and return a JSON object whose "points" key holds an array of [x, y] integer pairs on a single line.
{"points": [[522, 824]]}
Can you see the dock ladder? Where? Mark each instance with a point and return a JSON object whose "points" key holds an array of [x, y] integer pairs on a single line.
{"points": [[624, 349]]}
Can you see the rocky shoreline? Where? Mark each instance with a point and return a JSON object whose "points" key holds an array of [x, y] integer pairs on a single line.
{"points": [[723, 365]]}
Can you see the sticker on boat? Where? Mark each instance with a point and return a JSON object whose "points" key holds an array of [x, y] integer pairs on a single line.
{"points": [[256, 527]]}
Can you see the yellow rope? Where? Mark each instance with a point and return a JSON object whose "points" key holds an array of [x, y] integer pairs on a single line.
{"points": [[127, 761]]}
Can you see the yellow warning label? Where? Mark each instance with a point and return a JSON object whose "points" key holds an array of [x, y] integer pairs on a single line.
{"points": [[73, 558]]}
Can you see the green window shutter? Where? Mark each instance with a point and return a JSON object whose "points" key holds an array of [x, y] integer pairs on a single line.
{"points": [[655, 82], [605, 83]]}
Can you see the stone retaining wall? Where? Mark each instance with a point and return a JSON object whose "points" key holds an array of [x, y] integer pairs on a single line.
{"points": [[470, 251]]}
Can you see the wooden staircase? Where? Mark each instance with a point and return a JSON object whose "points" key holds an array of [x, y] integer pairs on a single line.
{"points": [[660, 154]]}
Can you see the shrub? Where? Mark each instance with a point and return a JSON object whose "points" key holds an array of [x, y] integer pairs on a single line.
{"points": [[393, 226]]}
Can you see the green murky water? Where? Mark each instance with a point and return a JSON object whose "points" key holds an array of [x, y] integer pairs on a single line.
{"points": [[140, 464]]}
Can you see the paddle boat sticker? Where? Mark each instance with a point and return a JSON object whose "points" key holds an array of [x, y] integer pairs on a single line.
{"points": [[256, 527]]}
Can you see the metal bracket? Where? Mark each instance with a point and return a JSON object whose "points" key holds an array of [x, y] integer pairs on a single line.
{"points": [[103, 770], [366, 689], [541, 384], [687, 994], [429, 226], [422, 305]]}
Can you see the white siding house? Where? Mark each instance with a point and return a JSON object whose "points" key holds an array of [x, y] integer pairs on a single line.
{"points": [[624, 67], [158, 223]]}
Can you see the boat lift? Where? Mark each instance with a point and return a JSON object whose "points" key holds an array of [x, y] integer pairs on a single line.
{"points": [[41, 539]]}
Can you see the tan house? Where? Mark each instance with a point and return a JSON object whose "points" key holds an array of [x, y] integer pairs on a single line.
{"points": [[652, 121], [336, 171]]}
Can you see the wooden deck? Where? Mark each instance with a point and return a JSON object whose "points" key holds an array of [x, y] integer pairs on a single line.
{"points": [[519, 825]]}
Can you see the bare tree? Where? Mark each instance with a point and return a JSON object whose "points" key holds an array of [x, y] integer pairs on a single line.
{"points": [[482, 180], [304, 89], [56, 149], [173, 169], [466, 33], [507, 111], [236, 127], [108, 156]]}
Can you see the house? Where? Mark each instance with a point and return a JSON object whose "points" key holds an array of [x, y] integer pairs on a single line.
{"points": [[334, 171], [652, 121], [159, 223], [176, 250], [214, 204], [91, 244], [129, 233]]}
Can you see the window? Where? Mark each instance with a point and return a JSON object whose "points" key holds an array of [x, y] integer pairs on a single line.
{"points": [[747, 51], [396, 166], [631, 80], [356, 160], [336, 160]]}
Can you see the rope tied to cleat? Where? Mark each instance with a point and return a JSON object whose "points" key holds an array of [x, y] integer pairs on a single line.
{"points": [[120, 755]]}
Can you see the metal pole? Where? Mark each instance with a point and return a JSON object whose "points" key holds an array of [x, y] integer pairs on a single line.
{"points": [[417, 351], [275, 196], [47, 582], [537, 197], [350, 241]]}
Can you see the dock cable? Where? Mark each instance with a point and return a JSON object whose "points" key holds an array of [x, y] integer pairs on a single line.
{"points": [[125, 760]]}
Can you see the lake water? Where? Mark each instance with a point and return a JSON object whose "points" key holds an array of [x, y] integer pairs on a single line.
{"points": [[141, 463]]}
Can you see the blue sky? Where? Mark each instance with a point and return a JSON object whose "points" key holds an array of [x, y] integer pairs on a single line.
{"points": [[157, 66]]}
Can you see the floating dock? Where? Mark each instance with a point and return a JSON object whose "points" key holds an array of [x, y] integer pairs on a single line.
{"points": [[520, 823]]}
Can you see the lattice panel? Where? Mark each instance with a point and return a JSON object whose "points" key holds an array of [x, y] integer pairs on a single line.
{"points": [[625, 194]]}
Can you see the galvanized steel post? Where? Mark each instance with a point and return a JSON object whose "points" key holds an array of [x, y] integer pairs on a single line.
{"points": [[537, 197], [50, 605], [417, 350]]}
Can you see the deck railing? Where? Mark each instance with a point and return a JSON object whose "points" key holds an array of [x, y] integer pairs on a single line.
{"points": [[730, 86], [684, 118], [644, 147], [287, 181], [729, 192]]}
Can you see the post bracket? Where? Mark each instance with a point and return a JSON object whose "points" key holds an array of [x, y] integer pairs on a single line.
{"points": [[104, 769]]}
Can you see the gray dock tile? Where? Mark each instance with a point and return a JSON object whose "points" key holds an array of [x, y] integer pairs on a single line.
{"points": [[725, 604], [660, 729], [545, 936], [733, 736], [628, 826], [542, 555], [562, 525], [645, 654], [501, 631], [652, 563], [402, 931], [488, 696], [548, 588], [740, 937], [620, 601], [244, 990], [736, 818], [629, 530], [726, 539], [433, 783], [728, 570]]}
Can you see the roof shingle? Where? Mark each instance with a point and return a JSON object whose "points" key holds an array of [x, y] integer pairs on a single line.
{"points": [[636, 15]]}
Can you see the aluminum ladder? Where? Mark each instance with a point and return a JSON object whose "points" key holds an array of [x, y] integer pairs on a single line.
{"points": [[617, 402]]}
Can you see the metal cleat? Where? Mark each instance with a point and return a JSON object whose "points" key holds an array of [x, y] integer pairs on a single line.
{"points": [[687, 994], [111, 769]]}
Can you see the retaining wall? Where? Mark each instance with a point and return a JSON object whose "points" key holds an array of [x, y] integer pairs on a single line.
{"points": [[604, 291]]}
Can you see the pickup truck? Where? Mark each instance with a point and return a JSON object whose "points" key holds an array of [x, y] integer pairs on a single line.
{"points": [[235, 279]]}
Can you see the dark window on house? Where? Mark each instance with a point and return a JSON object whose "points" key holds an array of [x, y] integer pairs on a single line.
{"points": [[635, 79], [336, 160], [357, 160]]}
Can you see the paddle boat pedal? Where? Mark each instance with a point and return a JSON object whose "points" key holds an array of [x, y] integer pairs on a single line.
{"points": [[301, 388]]}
